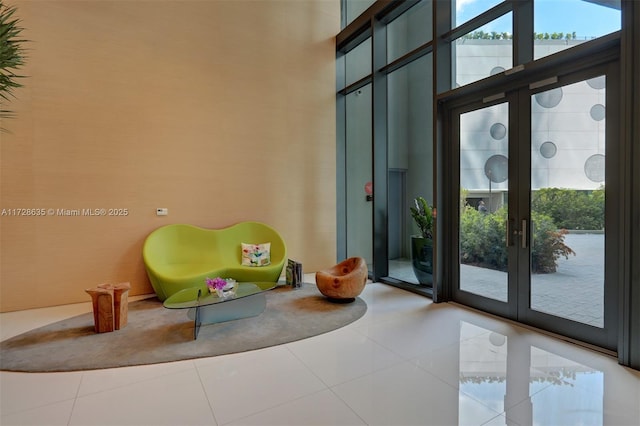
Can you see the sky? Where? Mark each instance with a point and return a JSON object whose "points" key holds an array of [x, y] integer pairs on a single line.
{"points": [[588, 20]]}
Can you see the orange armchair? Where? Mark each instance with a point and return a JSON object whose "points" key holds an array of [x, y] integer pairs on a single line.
{"points": [[345, 281]]}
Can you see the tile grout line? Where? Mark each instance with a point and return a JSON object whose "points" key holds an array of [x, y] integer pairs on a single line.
{"points": [[204, 390], [75, 399]]}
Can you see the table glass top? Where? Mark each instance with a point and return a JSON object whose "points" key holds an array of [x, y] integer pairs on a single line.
{"points": [[197, 296]]}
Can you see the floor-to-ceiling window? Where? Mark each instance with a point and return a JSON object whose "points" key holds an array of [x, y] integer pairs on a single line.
{"points": [[351, 9], [359, 174], [387, 97], [534, 214], [409, 163], [560, 25], [528, 158], [514, 152], [410, 147], [357, 133], [386, 66]]}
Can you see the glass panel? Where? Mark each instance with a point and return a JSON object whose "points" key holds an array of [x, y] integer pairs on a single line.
{"points": [[560, 25], [359, 174], [567, 201], [409, 31], [354, 8], [484, 144], [467, 9], [410, 166], [358, 62], [483, 52]]}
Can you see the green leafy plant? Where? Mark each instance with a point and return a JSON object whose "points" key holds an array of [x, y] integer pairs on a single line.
{"points": [[494, 35], [548, 244], [422, 214], [482, 241], [11, 57], [571, 208], [482, 238]]}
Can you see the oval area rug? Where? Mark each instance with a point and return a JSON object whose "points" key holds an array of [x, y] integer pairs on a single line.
{"points": [[154, 334]]}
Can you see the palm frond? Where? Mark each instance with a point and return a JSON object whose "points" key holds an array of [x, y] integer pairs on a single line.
{"points": [[12, 57]]}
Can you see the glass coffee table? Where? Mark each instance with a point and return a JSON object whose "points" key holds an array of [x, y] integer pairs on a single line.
{"points": [[207, 308]]}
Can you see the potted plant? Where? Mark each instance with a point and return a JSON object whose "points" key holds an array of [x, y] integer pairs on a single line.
{"points": [[422, 245]]}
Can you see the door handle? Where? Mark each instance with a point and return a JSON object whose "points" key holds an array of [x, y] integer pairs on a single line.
{"points": [[523, 233]]}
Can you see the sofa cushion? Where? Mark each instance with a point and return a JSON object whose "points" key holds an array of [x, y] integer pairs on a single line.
{"points": [[256, 254]]}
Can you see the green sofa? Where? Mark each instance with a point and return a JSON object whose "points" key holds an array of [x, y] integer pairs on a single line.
{"points": [[182, 256]]}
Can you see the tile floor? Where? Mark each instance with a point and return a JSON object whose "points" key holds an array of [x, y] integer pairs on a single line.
{"points": [[406, 362]]}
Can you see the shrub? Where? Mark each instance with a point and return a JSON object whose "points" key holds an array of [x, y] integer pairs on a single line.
{"points": [[482, 241], [548, 245], [570, 208], [482, 238]]}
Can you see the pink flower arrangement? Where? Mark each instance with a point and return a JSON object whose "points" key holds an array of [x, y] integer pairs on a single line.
{"points": [[216, 283]]}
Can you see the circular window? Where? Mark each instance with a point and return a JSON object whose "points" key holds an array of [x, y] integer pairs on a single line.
{"points": [[597, 82], [548, 149], [594, 168], [497, 339], [598, 112], [497, 168], [550, 98], [498, 131], [496, 70]]}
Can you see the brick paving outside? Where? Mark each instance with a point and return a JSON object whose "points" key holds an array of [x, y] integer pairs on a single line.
{"points": [[575, 291]]}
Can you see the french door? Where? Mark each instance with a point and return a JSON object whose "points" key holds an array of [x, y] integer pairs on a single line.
{"points": [[536, 226]]}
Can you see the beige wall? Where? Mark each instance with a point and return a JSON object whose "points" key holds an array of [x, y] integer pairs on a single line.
{"points": [[220, 111]]}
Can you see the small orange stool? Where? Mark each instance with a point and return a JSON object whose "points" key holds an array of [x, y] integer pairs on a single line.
{"points": [[110, 306]]}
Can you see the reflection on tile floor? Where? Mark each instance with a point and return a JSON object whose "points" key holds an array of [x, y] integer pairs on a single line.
{"points": [[406, 362]]}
